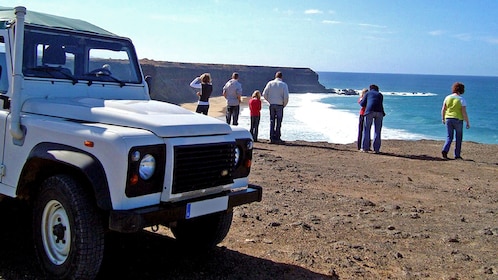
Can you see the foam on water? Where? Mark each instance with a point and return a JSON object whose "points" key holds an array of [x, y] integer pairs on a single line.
{"points": [[307, 118]]}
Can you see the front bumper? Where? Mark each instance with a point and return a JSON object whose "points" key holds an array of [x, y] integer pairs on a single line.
{"points": [[136, 219]]}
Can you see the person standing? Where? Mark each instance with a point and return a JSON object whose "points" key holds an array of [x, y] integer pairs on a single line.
{"points": [[276, 92], [361, 120], [453, 113], [373, 101], [206, 88], [255, 113], [232, 91]]}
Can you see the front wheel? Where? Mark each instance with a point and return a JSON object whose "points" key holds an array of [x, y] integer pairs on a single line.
{"points": [[68, 232], [203, 232]]}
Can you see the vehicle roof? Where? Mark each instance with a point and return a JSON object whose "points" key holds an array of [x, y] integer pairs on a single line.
{"points": [[7, 16]]}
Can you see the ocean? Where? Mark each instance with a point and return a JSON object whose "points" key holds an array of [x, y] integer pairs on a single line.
{"points": [[412, 104]]}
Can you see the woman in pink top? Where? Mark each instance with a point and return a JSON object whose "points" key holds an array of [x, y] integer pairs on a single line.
{"points": [[255, 113]]}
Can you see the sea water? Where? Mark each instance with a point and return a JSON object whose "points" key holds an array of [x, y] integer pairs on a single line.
{"points": [[412, 104]]}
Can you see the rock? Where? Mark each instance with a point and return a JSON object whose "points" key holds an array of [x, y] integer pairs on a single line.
{"points": [[171, 80], [487, 231], [275, 224]]}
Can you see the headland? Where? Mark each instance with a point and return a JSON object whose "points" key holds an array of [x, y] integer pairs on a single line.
{"points": [[170, 80]]}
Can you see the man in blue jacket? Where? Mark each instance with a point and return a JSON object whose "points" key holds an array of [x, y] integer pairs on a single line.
{"points": [[373, 101]]}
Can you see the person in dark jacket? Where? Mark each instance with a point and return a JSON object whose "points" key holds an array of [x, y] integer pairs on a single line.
{"points": [[206, 88], [373, 101]]}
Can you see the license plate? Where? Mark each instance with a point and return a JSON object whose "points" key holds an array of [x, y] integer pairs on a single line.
{"points": [[204, 207]]}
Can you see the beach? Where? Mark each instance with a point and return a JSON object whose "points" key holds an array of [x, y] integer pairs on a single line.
{"points": [[217, 106]]}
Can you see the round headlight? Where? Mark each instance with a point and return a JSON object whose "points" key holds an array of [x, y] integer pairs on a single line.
{"points": [[250, 145], [147, 167], [237, 155]]}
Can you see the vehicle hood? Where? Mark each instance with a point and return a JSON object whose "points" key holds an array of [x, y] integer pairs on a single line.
{"points": [[161, 118]]}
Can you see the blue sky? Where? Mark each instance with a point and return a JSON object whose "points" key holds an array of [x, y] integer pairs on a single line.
{"points": [[452, 37]]}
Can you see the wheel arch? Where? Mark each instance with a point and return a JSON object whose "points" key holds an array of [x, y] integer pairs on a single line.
{"points": [[46, 159]]}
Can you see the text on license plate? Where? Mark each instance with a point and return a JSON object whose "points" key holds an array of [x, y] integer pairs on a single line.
{"points": [[199, 208]]}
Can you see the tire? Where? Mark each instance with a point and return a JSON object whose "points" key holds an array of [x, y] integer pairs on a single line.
{"points": [[67, 230], [203, 232]]}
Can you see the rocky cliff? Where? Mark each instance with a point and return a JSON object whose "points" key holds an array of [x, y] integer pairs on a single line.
{"points": [[170, 80]]}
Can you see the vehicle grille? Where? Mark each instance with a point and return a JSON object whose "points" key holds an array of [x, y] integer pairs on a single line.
{"points": [[203, 166]]}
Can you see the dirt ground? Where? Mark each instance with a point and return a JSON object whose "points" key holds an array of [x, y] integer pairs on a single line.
{"points": [[328, 212], [402, 214]]}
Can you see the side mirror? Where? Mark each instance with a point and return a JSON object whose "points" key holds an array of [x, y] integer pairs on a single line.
{"points": [[148, 80]]}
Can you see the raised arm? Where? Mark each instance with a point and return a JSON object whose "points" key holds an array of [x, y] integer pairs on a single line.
{"points": [[196, 83]]}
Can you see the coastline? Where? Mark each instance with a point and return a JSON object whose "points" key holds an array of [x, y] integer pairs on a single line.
{"points": [[217, 106]]}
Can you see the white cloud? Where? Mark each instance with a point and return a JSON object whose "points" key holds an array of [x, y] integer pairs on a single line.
{"points": [[313, 12], [436, 32], [463, 36], [491, 40], [371, 25], [331, 22]]}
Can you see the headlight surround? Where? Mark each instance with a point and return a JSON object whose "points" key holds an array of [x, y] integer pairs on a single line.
{"points": [[147, 167], [250, 145], [243, 157]]}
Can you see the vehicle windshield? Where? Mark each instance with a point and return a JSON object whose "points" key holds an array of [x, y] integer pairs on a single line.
{"points": [[79, 57]]}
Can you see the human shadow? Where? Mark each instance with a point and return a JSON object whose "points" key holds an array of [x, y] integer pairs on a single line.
{"points": [[348, 148], [142, 255], [298, 143], [422, 157]]}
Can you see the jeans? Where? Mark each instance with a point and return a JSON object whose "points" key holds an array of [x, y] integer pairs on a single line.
{"points": [[375, 118], [276, 116], [254, 127], [233, 114], [454, 126]]}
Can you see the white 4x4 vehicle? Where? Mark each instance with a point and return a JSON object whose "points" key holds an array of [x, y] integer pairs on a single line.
{"points": [[85, 145]]}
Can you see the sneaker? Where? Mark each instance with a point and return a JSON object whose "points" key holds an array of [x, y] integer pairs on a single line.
{"points": [[445, 154], [363, 151], [460, 158]]}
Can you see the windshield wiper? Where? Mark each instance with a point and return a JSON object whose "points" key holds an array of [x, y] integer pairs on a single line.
{"points": [[103, 72], [66, 73]]}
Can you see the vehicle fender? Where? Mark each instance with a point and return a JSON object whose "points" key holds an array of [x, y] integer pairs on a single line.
{"points": [[88, 165]]}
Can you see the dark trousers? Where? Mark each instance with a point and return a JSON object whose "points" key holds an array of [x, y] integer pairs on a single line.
{"points": [[360, 130], [276, 116], [254, 127], [203, 109], [233, 114]]}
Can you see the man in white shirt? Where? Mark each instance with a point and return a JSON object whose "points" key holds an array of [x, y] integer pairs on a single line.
{"points": [[232, 91], [276, 93]]}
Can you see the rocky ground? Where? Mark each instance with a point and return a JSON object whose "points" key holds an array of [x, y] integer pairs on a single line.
{"points": [[328, 212]]}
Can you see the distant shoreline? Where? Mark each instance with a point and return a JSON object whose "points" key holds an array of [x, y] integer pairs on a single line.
{"points": [[217, 106]]}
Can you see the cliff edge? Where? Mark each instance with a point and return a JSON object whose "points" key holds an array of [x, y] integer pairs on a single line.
{"points": [[170, 80]]}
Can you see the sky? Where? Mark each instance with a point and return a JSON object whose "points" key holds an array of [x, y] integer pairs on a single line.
{"points": [[444, 37]]}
